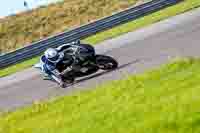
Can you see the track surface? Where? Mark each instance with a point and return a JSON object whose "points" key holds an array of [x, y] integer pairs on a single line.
{"points": [[136, 51]]}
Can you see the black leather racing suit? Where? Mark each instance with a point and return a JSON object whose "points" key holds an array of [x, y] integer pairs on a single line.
{"points": [[79, 52]]}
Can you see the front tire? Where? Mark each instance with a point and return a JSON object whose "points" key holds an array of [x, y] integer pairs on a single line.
{"points": [[106, 62]]}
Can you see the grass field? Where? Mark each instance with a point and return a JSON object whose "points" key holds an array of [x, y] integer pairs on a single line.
{"points": [[165, 100], [131, 26]]}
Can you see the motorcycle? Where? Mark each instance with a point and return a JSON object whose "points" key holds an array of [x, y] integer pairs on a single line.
{"points": [[100, 62]]}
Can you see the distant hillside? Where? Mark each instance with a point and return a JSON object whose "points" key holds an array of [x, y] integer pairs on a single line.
{"points": [[22, 29]]}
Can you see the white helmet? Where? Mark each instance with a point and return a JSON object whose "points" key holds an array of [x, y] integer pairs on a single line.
{"points": [[52, 55]]}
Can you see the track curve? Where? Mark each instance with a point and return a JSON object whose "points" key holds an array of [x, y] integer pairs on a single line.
{"points": [[136, 51]]}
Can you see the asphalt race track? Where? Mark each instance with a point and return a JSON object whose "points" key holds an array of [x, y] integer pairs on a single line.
{"points": [[136, 52]]}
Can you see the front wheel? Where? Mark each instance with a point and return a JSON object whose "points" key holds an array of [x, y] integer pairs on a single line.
{"points": [[106, 62]]}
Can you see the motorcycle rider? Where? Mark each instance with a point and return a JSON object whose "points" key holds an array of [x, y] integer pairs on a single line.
{"points": [[72, 54]]}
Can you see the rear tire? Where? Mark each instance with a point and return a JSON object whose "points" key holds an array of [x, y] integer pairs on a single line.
{"points": [[106, 62]]}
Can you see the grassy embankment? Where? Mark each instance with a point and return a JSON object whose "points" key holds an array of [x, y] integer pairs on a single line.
{"points": [[160, 101], [147, 20], [22, 29]]}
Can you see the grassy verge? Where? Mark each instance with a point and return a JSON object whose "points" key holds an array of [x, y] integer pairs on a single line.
{"points": [[160, 101], [18, 67], [147, 20]]}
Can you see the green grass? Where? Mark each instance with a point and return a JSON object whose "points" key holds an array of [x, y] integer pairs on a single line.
{"points": [[131, 26], [165, 100], [18, 67]]}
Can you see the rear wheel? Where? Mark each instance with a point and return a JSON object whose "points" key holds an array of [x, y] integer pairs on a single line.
{"points": [[106, 62]]}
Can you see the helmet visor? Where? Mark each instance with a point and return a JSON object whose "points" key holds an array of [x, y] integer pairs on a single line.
{"points": [[55, 58]]}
